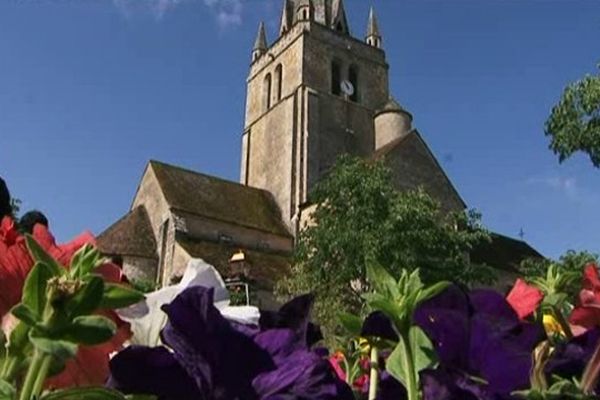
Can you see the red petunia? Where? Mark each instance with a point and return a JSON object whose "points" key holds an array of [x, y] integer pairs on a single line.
{"points": [[587, 313], [90, 366], [524, 298]]}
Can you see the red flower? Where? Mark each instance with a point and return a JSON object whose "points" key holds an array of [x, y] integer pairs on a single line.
{"points": [[587, 313], [90, 367], [524, 298]]}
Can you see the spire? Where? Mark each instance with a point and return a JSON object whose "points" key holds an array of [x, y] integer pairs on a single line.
{"points": [[373, 37], [260, 44], [286, 18], [338, 17]]}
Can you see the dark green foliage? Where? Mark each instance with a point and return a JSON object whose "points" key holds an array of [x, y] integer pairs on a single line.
{"points": [[574, 124], [360, 217]]}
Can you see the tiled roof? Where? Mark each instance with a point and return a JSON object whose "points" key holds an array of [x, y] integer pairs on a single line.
{"points": [[130, 236], [219, 199]]}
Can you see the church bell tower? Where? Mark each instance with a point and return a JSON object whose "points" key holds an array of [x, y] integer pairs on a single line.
{"points": [[313, 94]]}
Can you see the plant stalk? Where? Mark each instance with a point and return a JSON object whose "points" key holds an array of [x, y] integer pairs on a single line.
{"points": [[32, 375], [562, 322], [412, 388], [374, 375], [38, 385]]}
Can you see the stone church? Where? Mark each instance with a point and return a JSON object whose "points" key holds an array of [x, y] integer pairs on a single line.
{"points": [[314, 93]]}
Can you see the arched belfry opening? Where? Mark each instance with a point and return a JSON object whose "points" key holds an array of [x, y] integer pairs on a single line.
{"points": [[278, 82], [267, 92]]}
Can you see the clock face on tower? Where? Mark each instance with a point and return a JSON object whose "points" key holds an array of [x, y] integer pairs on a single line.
{"points": [[347, 88]]}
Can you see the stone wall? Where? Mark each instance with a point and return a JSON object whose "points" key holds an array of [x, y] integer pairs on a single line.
{"points": [[140, 269]]}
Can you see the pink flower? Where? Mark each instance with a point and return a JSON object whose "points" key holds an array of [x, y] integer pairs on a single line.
{"points": [[524, 298]]}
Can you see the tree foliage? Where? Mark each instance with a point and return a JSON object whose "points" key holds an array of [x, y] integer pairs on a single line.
{"points": [[574, 124], [359, 218]]}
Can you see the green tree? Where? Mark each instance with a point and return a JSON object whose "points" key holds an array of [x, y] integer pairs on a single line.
{"points": [[359, 218], [574, 124]]}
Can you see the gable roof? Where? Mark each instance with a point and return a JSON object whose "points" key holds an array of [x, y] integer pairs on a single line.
{"points": [[265, 268], [503, 252], [410, 176], [130, 236], [219, 199]]}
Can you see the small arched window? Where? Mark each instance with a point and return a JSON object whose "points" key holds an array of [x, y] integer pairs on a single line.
{"points": [[267, 92], [353, 78], [278, 82], [335, 78]]}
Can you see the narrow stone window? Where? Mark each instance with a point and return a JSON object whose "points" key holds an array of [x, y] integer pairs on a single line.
{"points": [[278, 82], [353, 78], [335, 78], [267, 93]]}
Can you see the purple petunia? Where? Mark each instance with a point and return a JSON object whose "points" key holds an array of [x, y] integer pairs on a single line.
{"points": [[479, 334], [208, 357]]}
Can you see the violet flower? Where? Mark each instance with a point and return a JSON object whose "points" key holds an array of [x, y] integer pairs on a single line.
{"points": [[478, 334], [209, 357]]}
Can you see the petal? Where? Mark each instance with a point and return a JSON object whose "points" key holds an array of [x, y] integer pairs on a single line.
{"points": [[209, 348], [569, 359], [587, 317], [145, 370], [377, 324], [524, 298], [442, 384], [304, 376], [445, 320], [390, 388], [591, 280], [295, 315]]}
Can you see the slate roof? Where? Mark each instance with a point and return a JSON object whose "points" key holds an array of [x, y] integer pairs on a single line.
{"points": [[504, 253], [219, 199], [324, 10], [130, 236], [266, 268]]}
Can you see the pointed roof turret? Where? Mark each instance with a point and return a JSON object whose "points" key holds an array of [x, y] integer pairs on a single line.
{"points": [[373, 37], [261, 38], [286, 18], [339, 22], [372, 27], [260, 44]]}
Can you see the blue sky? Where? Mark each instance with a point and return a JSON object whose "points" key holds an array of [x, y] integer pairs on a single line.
{"points": [[91, 90]]}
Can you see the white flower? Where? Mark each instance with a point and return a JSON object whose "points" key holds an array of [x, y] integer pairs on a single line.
{"points": [[147, 319]]}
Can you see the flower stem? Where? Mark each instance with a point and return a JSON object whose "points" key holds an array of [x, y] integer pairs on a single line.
{"points": [[32, 375], [374, 376], [38, 385], [409, 366], [10, 368]]}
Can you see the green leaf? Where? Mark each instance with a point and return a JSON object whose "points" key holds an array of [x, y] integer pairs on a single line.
{"points": [[90, 330], [7, 391], [84, 261], [87, 299], [34, 289], [351, 323], [26, 314], [88, 393], [18, 339], [40, 255], [61, 349], [381, 280], [432, 291], [423, 355], [119, 296]]}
